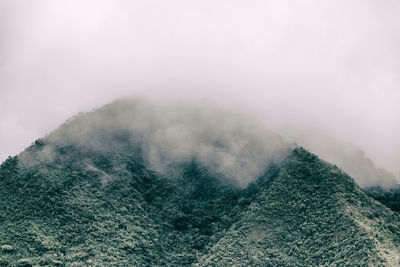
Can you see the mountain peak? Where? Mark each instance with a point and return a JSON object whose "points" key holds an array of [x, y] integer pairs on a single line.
{"points": [[94, 193], [311, 213]]}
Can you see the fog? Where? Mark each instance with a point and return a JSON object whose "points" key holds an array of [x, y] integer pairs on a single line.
{"points": [[165, 136], [309, 70]]}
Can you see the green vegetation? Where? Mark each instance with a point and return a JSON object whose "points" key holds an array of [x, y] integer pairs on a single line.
{"points": [[388, 197], [85, 207], [309, 214], [63, 212]]}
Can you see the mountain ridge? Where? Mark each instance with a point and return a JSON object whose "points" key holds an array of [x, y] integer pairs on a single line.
{"points": [[281, 212], [100, 203], [187, 222]]}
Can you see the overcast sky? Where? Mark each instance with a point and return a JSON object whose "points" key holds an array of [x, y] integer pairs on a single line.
{"points": [[315, 65]]}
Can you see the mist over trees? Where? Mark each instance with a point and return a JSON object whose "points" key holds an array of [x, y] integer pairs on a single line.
{"points": [[139, 184], [167, 135], [229, 143], [253, 133]]}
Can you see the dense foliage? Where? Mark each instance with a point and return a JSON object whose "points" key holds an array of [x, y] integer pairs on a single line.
{"points": [[90, 208], [309, 214], [388, 197], [85, 207]]}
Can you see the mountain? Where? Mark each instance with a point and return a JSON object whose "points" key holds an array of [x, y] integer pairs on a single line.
{"points": [[310, 214], [99, 192], [388, 197], [347, 156]]}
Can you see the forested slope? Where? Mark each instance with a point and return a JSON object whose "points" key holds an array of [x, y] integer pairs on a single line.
{"points": [[126, 185], [303, 212]]}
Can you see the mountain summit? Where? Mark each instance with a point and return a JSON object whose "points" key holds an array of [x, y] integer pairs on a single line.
{"points": [[310, 213], [125, 186]]}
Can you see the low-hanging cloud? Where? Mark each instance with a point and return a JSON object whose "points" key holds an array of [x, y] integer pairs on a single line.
{"points": [[325, 65], [167, 135]]}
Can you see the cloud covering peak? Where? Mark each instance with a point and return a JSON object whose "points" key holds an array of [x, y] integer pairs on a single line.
{"points": [[167, 135], [326, 65]]}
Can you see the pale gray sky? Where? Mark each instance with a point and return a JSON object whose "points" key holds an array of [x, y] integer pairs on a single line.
{"points": [[331, 66]]}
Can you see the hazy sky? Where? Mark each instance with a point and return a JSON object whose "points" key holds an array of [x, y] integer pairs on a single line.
{"points": [[331, 66]]}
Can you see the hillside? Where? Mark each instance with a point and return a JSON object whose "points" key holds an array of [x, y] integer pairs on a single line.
{"points": [[388, 197], [303, 212], [350, 158], [310, 214], [98, 200]]}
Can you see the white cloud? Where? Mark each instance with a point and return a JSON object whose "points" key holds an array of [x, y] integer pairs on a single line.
{"points": [[318, 64]]}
